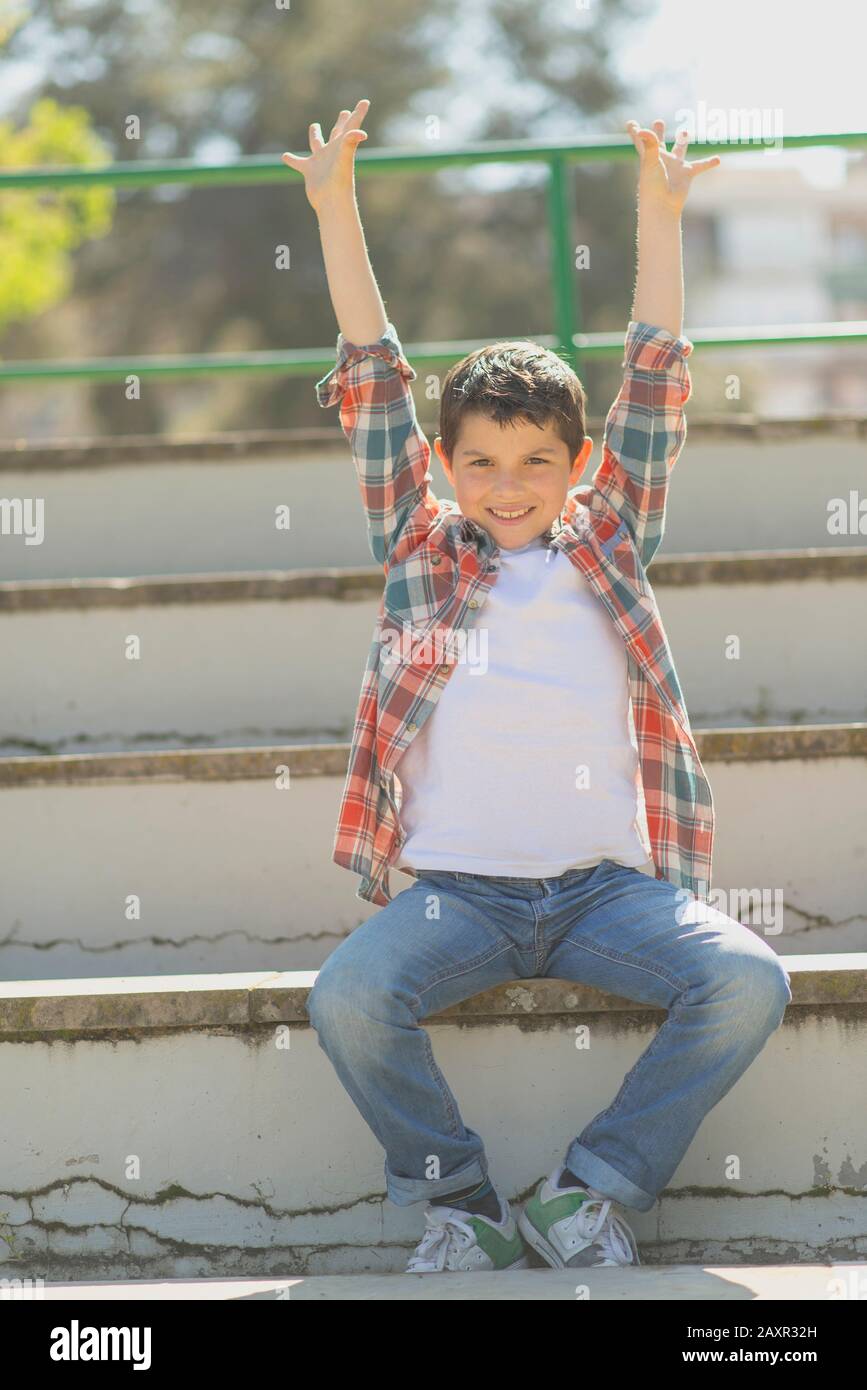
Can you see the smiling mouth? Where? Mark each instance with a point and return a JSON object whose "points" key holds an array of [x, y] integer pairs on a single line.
{"points": [[511, 514]]}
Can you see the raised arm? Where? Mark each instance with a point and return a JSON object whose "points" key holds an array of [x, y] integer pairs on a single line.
{"points": [[370, 379], [664, 180], [645, 429], [329, 182]]}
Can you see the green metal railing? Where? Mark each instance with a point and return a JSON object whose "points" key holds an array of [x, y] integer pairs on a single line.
{"points": [[557, 155]]}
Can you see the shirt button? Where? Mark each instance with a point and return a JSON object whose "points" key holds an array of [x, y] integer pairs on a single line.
{"points": [[445, 666], [473, 603], [411, 728], [436, 559]]}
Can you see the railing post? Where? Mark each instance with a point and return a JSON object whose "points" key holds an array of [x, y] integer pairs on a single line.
{"points": [[565, 290], [558, 155]]}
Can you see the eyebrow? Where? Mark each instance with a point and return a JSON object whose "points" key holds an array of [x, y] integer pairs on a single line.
{"points": [[545, 449]]}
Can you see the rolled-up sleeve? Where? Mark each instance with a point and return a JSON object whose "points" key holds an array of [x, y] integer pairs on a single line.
{"points": [[388, 348], [645, 431], [371, 384]]}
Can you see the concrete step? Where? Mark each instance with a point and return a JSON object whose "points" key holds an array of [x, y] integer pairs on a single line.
{"points": [[221, 655], [149, 505], [655, 1283], [218, 860], [191, 1127]]}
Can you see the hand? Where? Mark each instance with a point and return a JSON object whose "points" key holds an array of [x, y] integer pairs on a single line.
{"points": [[330, 168], [664, 177]]}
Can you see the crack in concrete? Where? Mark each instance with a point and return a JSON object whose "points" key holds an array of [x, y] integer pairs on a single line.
{"points": [[809, 920], [821, 919], [304, 1257], [178, 942], [174, 1191], [169, 738]]}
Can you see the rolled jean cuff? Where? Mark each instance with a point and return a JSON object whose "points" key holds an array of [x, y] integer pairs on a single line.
{"points": [[599, 1174], [404, 1191]]}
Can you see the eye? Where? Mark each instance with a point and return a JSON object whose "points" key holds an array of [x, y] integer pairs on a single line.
{"points": [[473, 463]]}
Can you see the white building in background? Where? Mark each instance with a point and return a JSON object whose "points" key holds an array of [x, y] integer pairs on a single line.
{"points": [[764, 246]]}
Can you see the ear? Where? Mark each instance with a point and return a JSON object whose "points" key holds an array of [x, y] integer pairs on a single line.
{"points": [[443, 458], [579, 463]]}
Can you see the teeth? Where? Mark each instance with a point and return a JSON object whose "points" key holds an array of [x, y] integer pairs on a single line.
{"points": [[509, 515]]}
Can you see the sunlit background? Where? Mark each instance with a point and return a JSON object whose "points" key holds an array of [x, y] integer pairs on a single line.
{"points": [[771, 238]]}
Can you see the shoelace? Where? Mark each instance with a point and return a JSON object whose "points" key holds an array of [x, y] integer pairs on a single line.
{"points": [[442, 1241], [614, 1240]]}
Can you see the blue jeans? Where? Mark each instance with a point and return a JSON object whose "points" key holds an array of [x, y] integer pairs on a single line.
{"points": [[609, 926]]}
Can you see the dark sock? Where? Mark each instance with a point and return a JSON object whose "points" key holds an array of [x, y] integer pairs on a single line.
{"points": [[481, 1199], [568, 1179]]}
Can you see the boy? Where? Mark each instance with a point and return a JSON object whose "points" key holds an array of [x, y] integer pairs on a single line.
{"points": [[518, 809]]}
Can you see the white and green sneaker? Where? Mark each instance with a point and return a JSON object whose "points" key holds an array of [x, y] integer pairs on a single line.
{"points": [[457, 1239], [575, 1227]]}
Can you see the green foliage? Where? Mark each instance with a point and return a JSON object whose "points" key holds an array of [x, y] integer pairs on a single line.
{"points": [[40, 228], [458, 253]]}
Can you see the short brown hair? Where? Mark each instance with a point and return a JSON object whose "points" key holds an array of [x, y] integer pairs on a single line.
{"points": [[514, 379]]}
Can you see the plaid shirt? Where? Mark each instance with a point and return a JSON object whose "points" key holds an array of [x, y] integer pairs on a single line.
{"points": [[439, 565]]}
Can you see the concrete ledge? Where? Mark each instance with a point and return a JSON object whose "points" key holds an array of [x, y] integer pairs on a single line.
{"points": [[61, 1009], [280, 585], [255, 1163], [365, 582], [177, 765], [237, 445], [108, 451], [650, 1283], [795, 741]]}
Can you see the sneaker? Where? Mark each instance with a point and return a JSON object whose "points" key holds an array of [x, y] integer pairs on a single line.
{"points": [[575, 1227], [457, 1239]]}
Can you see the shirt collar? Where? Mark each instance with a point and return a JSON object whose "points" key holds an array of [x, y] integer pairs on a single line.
{"points": [[471, 530]]}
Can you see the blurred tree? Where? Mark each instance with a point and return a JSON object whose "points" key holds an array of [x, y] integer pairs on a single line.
{"points": [[197, 270], [40, 229], [567, 77]]}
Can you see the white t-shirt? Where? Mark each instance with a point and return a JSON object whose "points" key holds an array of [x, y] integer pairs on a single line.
{"points": [[529, 764]]}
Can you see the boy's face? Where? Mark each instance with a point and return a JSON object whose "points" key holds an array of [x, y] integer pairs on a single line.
{"points": [[506, 468]]}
